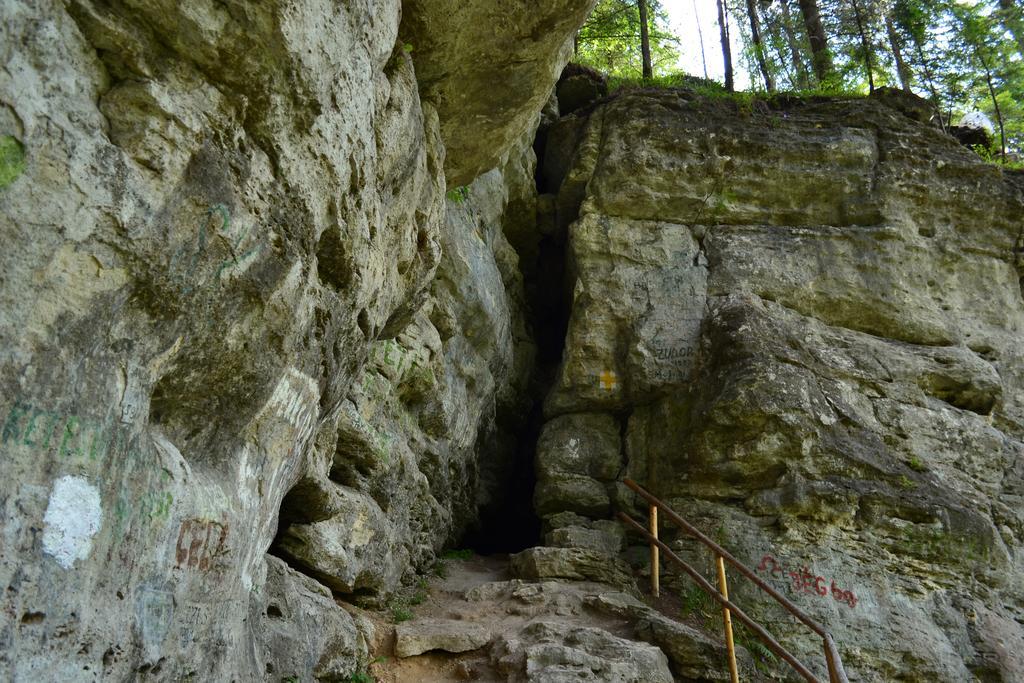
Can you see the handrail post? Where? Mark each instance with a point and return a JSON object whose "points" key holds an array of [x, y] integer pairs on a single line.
{"points": [[739, 566], [655, 564], [730, 647], [836, 673], [737, 611]]}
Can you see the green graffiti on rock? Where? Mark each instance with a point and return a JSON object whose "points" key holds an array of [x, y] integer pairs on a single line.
{"points": [[12, 160]]}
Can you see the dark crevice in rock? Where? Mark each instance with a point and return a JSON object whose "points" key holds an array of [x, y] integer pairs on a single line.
{"points": [[301, 505], [332, 263], [513, 525], [275, 550], [508, 523], [623, 419]]}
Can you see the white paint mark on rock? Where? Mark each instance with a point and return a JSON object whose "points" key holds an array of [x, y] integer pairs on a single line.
{"points": [[72, 518], [295, 399]]}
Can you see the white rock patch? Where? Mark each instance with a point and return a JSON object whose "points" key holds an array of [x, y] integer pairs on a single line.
{"points": [[72, 518]]}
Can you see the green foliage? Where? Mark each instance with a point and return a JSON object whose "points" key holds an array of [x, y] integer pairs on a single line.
{"points": [[440, 569], [984, 68], [696, 602], [407, 48], [764, 658], [963, 55], [669, 79], [610, 39], [715, 91], [362, 674], [400, 613], [905, 483], [915, 464], [12, 160], [458, 194], [401, 604], [993, 156], [463, 554]]}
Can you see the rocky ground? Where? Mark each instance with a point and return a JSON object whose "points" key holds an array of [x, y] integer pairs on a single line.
{"points": [[571, 610], [481, 623], [296, 295]]}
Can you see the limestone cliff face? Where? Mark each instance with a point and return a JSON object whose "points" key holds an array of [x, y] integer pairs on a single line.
{"points": [[801, 326], [239, 315], [278, 291]]}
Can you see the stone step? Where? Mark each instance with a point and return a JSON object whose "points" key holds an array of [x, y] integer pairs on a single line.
{"points": [[580, 564], [553, 652], [449, 635]]}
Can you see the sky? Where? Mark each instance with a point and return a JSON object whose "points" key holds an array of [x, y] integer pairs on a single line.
{"points": [[682, 17]]}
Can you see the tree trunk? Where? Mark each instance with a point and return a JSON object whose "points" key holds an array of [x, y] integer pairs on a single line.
{"points": [[995, 103], [931, 84], [645, 41], [700, 35], [723, 29], [865, 45], [780, 54], [1012, 15], [799, 66], [821, 58], [897, 54], [755, 36]]}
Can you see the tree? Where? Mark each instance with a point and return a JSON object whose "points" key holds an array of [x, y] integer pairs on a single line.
{"points": [[801, 78], [980, 41], [862, 29], [902, 70], [611, 39], [966, 55], [723, 30], [759, 52], [913, 18], [645, 41], [821, 58], [1012, 16], [700, 36]]}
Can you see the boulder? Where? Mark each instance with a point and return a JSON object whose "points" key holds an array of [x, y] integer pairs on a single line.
{"points": [[548, 652], [488, 70], [439, 634], [578, 87], [579, 564]]}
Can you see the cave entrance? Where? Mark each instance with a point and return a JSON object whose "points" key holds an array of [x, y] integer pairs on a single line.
{"points": [[509, 524]]}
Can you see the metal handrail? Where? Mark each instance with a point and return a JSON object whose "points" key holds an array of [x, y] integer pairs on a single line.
{"points": [[835, 666]]}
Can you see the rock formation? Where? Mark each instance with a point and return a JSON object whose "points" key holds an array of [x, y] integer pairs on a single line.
{"points": [[800, 326], [282, 315], [240, 316]]}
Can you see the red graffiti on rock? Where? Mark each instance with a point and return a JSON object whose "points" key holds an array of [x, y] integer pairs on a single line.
{"points": [[200, 541], [802, 580]]}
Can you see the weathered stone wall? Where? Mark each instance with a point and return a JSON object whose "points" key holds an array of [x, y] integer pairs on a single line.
{"points": [[238, 314], [801, 327], [253, 350]]}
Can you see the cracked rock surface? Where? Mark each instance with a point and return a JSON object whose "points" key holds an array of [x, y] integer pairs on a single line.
{"points": [[805, 321], [250, 353]]}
